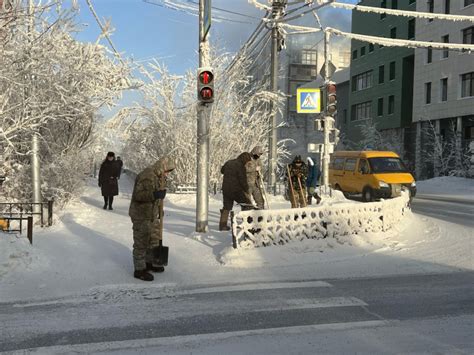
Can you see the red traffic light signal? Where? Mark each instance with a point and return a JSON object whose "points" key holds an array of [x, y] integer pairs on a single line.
{"points": [[206, 77], [205, 85], [331, 99]]}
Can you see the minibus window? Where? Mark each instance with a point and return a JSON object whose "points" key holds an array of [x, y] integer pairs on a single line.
{"points": [[387, 165], [363, 166], [338, 164], [350, 165]]}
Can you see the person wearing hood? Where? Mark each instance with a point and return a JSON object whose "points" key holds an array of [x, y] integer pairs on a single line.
{"points": [[312, 181], [254, 177], [108, 175], [148, 192], [235, 187], [298, 172]]}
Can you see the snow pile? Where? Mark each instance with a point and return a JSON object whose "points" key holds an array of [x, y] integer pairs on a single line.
{"points": [[277, 227], [447, 186]]}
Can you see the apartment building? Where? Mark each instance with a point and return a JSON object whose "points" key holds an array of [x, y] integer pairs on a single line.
{"points": [[443, 84], [381, 91]]}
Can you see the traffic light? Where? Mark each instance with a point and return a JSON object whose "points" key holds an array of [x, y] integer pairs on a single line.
{"points": [[331, 99], [205, 85]]}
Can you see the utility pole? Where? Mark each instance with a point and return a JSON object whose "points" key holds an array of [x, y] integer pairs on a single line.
{"points": [[203, 112], [326, 116], [35, 161], [278, 7]]}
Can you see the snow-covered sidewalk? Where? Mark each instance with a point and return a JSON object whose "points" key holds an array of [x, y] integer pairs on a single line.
{"points": [[90, 248]]}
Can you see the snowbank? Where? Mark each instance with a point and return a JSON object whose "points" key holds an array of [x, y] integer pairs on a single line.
{"points": [[447, 186]]}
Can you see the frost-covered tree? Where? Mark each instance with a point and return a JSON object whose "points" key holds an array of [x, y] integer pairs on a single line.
{"points": [[164, 122], [51, 85]]}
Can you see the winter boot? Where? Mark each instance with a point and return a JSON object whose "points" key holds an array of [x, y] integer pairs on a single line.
{"points": [[110, 208], [318, 199], [309, 200], [143, 275], [223, 221], [150, 267]]}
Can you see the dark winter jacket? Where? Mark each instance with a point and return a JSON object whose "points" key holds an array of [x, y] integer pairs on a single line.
{"points": [[108, 175], [144, 205], [120, 165], [313, 176], [235, 176], [298, 174]]}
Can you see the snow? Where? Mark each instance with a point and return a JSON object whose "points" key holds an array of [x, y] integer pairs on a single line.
{"points": [[447, 186], [394, 12], [89, 251]]}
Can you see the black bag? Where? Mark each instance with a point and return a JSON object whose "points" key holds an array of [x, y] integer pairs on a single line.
{"points": [[160, 254]]}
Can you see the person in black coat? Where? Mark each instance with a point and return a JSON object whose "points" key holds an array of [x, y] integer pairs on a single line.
{"points": [[120, 166], [108, 175]]}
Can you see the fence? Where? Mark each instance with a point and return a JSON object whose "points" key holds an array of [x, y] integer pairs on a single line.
{"points": [[29, 226], [25, 209], [275, 227]]}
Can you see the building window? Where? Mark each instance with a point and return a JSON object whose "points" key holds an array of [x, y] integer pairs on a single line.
{"points": [[467, 84], [430, 8], [468, 2], [381, 74], [354, 54], [429, 55], [445, 39], [467, 35], [309, 57], [411, 2], [371, 47], [393, 32], [469, 133], [444, 89], [344, 116], [447, 6], [391, 74], [383, 4], [411, 29], [380, 107], [394, 4], [362, 81], [361, 111], [391, 104], [427, 93], [362, 51]]}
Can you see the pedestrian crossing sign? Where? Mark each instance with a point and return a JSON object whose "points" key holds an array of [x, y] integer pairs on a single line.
{"points": [[308, 100]]}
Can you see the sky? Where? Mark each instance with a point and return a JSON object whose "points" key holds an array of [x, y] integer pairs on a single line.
{"points": [[143, 30]]}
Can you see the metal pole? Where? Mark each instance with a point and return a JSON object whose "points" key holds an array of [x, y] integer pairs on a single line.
{"points": [[277, 10], [202, 197], [35, 161], [326, 116]]}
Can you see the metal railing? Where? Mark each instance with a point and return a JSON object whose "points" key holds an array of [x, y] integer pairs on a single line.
{"points": [[29, 226], [26, 209]]}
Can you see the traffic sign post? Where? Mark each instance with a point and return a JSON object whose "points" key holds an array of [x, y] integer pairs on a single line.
{"points": [[308, 100]]}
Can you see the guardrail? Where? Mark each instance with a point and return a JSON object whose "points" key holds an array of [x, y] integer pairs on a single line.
{"points": [[29, 226], [258, 228]]}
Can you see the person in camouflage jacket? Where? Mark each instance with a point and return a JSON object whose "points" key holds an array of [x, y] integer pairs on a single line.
{"points": [[149, 192], [298, 173]]}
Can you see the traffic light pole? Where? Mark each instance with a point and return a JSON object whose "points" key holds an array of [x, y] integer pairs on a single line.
{"points": [[272, 141], [203, 111], [326, 116]]}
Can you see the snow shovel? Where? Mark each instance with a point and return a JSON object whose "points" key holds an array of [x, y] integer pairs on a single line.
{"points": [[300, 193], [292, 190], [161, 252], [262, 186]]}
